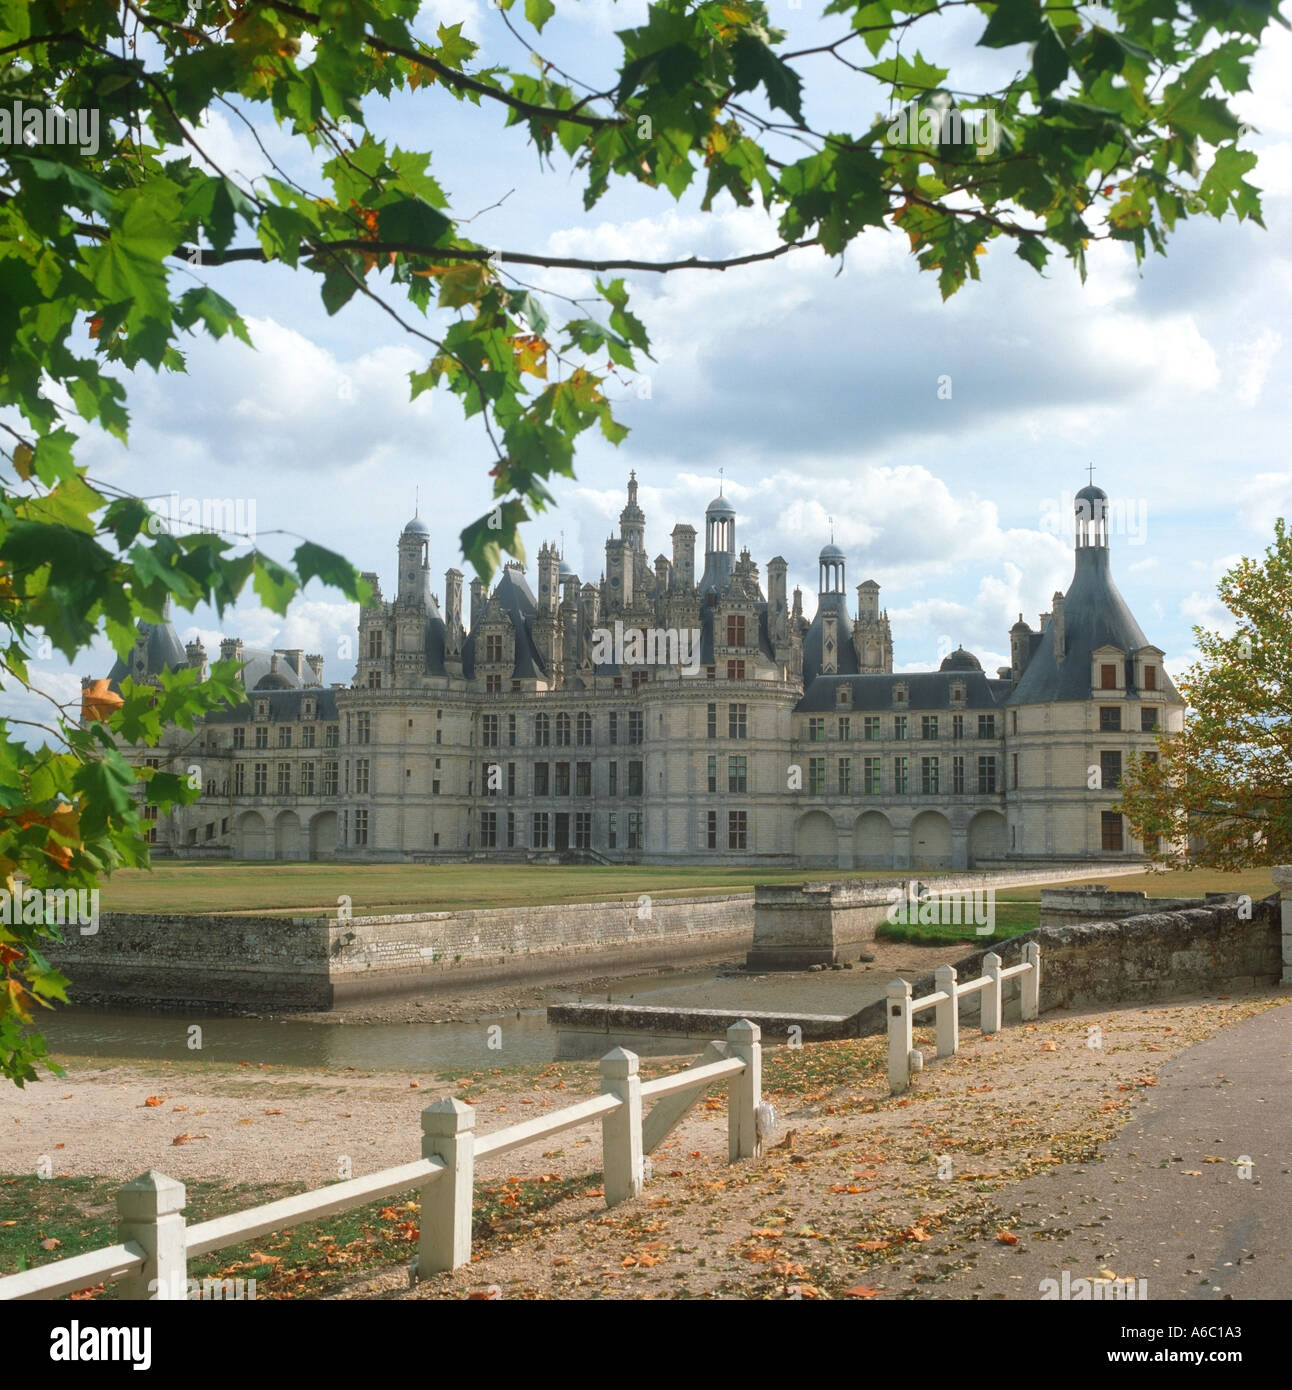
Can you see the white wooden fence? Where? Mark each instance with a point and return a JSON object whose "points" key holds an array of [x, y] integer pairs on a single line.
{"points": [[154, 1245], [903, 1059]]}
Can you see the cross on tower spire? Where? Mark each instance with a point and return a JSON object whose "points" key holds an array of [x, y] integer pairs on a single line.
{"points": [[1090, 468], [721, 471]]}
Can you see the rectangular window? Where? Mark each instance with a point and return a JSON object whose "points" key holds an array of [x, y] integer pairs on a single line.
{"points": [[562, 730], [542, 730], [583, 830], [636, 726], [871, 776], [737, 721], [583, 730], [845, 729], [562, 779], [899, 726], [511, 779], [929, 776], [635, 779], [1148, 719], [612, 830], [735, 670], [1110, 831], [489, 730], [845, 776], [986, 726], [490, 778], [1108, 677], [1013, 770], [1110, 718], [239, 738], [284, 779], [307, 779], [511, 830], [239, 779], [713, 721], [541, 782], [634, 830], [361, 826], [539, 838], [1110, 770], [737, 829], [713, 772], [987, 774], [361, 774], [614, 779], [307, 736], [614, 727], [583, 782], [261, 785], [711, 831], [958, 776], [488, 829], [735, 631], [1150, 678], [374, 679], [870, 728], [901, 775], [816, 776], [332, 736], [262, 737], [329, 779], [511, 731], [738, 773], [929, 726], [816, 730], [374, 644], [957, 726], [493, 647]]}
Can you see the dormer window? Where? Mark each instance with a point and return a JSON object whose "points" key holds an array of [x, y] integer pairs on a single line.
{"points": [[262, 709], [1108, 676], [842, 696], [957, 693], [1150, 678], [308, 712], [899, 694]]}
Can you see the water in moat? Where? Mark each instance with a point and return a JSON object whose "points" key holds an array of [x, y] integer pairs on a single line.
{"points": [[523, 1038]]}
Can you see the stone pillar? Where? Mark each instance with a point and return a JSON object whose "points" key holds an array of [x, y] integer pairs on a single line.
{"points": [[901, 1037], [947, 1013], [1282, 876], [991, 994], [744, 1092], [150, 1213], [621, 1130], [444, 1241]]}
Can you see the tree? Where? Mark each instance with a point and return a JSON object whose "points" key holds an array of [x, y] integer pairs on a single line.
{"points": [[1224, 785], [1115, 125]]}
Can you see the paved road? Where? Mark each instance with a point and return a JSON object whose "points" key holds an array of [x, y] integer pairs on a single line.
{"points": [[1140, 1212]]}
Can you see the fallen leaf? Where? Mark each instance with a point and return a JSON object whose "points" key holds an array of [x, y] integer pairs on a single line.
{"points": [[861, 1291], [870, 1245], [273, 1112], [50, 1243], [1006, 1238], [153, 1100]]}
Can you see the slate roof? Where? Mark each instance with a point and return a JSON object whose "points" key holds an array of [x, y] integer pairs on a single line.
{"points": [[926, 691], [1094, 615], [846, 656], [516, 600], [284, 706], [164, 651]]}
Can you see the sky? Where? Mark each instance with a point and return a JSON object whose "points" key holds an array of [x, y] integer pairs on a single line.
{"points": [[813, 387]]}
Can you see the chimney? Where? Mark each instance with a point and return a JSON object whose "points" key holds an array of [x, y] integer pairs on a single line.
{"points": [[294, 657], [196, 654], [315, 662], [477, 601], [1020, 649], [452, 598], [683, 557], [231, 649]]}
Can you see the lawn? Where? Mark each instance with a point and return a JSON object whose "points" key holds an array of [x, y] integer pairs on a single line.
{"points": [[275, 886]]}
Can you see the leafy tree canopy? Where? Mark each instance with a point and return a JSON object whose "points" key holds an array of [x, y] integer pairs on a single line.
{"points": [[1224, 786]]}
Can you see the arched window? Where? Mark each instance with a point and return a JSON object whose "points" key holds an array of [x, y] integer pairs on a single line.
{"points": [[563, 730]]}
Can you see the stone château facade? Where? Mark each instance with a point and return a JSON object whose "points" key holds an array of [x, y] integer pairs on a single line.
{"points": [[728, 727]]}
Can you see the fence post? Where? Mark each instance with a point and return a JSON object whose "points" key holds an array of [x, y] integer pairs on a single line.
{"points": [[991, 994], [947, 1014], [901, 1037], [1282, 876], [150, 1212], [621, 1130], [744, 1092], [1030, 982], [444, 1241]]}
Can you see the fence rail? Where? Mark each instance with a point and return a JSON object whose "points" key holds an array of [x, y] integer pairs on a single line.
{"points": [[151, 1260], [903, 1059]]}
